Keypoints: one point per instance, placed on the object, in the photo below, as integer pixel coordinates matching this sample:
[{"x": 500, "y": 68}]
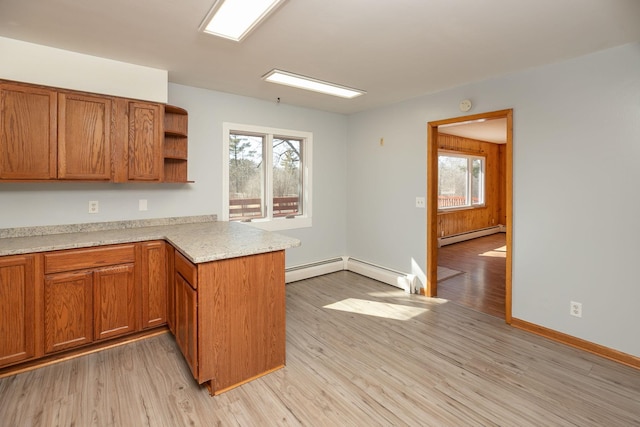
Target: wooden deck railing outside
[
  {"x": 453, "y": 201},
  {"x": 251, "y": 208}
]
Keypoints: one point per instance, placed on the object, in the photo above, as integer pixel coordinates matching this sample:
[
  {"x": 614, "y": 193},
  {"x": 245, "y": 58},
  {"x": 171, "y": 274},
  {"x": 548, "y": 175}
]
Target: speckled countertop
[{"x": 201, "y": 239}]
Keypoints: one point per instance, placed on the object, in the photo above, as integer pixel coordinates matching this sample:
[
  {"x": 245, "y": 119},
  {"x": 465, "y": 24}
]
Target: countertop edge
[
  {"x": 45, "y": 230},
  {"x": 200, "y": 242}
]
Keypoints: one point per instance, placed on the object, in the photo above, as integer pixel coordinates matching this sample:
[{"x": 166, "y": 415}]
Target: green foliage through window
[
  {"x": 460, "y": 181},
  {"x": 250, "y": 157}
]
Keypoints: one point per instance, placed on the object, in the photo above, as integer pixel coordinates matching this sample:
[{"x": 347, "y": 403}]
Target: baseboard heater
[
  {"x": 407, "y": 282},
  {"x": 443, "y": 241},
  {"x": 306, "y": 271}
]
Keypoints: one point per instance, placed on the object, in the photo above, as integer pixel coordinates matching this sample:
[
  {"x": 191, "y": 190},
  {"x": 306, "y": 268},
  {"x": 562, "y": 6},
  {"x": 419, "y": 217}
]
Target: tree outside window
[
  {"x": 267, "y": 175},
  {"x": 460, "y": 181}
]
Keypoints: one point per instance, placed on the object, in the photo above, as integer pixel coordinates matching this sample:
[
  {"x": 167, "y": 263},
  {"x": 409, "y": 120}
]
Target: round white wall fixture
[{"x": 465, "y": 105}]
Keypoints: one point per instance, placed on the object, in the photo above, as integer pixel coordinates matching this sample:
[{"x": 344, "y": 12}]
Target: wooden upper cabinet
[
  {"x": 27, "y": 132},
  {"x": 58, "y": 134},
  {"x": 145, "y": 141},
  {"x": 84, "y": 137}
]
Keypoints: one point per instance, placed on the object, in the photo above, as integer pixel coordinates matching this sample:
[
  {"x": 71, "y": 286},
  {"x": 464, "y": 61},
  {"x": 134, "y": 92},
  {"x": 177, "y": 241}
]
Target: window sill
[{"x": 278, "y": 224}]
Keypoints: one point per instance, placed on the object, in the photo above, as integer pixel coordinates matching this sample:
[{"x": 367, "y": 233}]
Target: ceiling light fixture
[
  {"x": 235, "y": 19},
  {"x": 308, "y": 83}
]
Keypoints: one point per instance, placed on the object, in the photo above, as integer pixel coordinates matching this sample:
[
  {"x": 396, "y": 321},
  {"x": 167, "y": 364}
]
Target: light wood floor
[
  {"x": 482, "y": 286},
  {"x": 411, "y": 361}
]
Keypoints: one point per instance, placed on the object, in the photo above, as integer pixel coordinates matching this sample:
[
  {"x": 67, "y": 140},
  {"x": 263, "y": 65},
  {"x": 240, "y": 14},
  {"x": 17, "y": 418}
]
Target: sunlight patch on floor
[
  {"x": 500, "y": 252},
  {"x": 377, "y": 309}
]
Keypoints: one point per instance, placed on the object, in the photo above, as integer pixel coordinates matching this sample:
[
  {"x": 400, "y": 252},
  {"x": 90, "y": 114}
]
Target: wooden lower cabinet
[
  {"x": 154, "y": 295},
  {"x": 85, "y": 306},
  {"x": 114, "y": 301},
  {"x": 18, "y": 289},
  {"x": 68, "y": 310},
  {"x": 240, "y": 319},
  {"x": 63, "y": 300},
  {"x": 186, "y": 321},
  {"x": 228, "y": 316},
  {"x": 89, "y": 295}
]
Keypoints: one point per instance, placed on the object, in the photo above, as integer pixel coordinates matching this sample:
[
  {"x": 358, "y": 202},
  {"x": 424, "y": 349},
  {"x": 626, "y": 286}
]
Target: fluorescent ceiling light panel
[
  {"x": 302, "y": 82},
  {"x": 234, "y": 19}
]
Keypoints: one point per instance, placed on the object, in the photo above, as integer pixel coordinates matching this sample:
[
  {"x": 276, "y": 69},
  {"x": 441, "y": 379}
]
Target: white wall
[
  {"x": 576, "y": 205},
  {"x": 209, "y": 109},
  {"x": 37, "y": 64}
]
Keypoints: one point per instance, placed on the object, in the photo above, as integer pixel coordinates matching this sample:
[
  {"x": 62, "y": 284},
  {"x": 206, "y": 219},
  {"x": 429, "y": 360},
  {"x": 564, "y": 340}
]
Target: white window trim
[
  {"x": 271, "y": 224},
  {"x": 483, "y": 189}
]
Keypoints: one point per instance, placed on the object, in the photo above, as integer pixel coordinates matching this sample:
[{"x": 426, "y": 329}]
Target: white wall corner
[{"x": 410, "y": 283}]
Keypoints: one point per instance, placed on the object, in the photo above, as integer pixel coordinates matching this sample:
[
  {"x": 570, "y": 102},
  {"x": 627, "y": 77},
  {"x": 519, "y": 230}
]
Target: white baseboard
[{"x": 408, "y": 282}]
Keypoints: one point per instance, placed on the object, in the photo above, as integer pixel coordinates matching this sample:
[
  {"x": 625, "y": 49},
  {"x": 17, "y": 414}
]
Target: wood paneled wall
[{"x": 494, "y": 211}]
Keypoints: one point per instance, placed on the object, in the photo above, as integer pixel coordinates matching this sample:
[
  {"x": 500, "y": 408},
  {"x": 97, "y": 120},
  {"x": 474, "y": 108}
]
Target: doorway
[{"x": 432, "y": 199}]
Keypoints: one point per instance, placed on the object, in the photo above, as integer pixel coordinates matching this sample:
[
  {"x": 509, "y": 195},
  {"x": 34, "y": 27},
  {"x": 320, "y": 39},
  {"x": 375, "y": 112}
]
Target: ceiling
[
  {"x": 494, "y": 130},
  {"x": 394, "y": 50}
]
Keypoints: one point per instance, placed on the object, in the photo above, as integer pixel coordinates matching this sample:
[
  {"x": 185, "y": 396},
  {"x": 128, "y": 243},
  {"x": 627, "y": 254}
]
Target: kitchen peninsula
[{"x": 218, "y": 286}]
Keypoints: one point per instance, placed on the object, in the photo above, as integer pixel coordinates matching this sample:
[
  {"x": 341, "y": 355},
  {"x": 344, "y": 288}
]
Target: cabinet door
[
  {"x": 114, "y": 301},
  {"x": 154, "y": 284},
  {"x": 17, "y": 309},
  {"x": 186, "y": 322},
  {"x": 84, "y": 137},
  {"x": 145, "y": 142},
  {"x": 68, "y": 310},
  {"x": 27, "y": 132}
]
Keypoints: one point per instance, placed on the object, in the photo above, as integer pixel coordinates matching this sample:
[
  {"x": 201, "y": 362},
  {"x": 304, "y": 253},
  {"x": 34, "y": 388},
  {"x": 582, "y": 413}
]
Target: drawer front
[
  {"x": 187, "y": 269},
  {"x": 80, "y": 259}
]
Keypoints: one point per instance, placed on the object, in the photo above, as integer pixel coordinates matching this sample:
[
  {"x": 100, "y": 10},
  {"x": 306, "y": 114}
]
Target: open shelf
[{"x": 175, "y": 151}]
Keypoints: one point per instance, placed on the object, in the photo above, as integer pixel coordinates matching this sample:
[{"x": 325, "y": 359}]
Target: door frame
[{"x": 432, "y": 201}]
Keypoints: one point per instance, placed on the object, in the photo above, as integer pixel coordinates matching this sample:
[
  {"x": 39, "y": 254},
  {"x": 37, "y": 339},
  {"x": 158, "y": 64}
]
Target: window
[
  {"x": 460, "y": 181},
  {"x": 268, "y": 174}
]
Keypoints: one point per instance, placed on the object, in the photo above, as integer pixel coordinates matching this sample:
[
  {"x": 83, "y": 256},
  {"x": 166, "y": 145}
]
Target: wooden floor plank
[
  {"x": 482, "y": 284},
  {"x": 351, "y": 360}
]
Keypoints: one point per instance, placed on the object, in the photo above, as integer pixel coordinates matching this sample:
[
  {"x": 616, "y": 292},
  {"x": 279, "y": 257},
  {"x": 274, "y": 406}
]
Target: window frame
[
  {"x": 271, "y": 223},
  {"x": 483, "y": 184}
]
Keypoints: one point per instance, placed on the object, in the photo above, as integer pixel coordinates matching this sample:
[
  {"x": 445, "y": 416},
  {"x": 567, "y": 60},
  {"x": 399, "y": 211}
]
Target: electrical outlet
[
  {"x": 420, "y": 202},
  {"x": 575, "y": 309},
  {"x": 94, "y": 207}
]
